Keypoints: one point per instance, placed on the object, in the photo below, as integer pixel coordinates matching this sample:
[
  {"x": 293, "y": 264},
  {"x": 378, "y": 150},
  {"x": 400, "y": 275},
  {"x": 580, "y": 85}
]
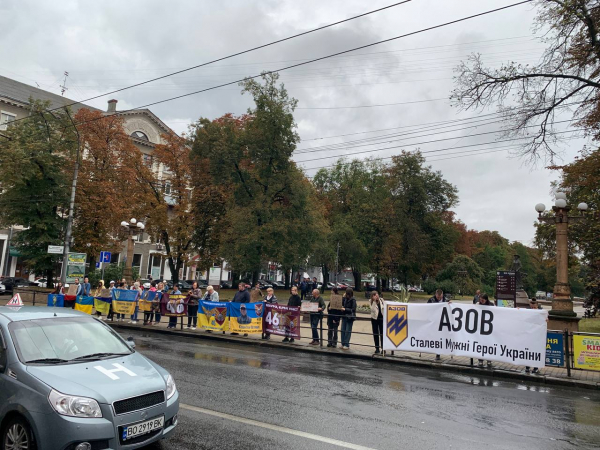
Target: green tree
[
  {"x": 464, "y": 273},
  {"x": 36, "y": 159},
  {"x": 269, "y": 215}
]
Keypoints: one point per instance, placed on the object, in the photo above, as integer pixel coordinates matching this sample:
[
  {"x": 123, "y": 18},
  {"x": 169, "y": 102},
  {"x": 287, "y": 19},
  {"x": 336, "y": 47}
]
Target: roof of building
[{"x": 20, "y": 93}]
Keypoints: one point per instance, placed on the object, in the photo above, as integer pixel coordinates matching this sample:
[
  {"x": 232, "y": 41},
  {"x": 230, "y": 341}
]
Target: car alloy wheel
[{"x": 17, "y": 437}]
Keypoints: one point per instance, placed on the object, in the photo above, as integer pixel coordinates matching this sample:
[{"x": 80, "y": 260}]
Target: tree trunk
[
  {"x": 93, "y": 263},
  {"x": 288, "y": 278},
  {"x": 325, "y": 271},
  {"x": 255, "y": 276},
  {"x": 378, "y": 284},
  {"x": 234, "y": 279},
  {"x": 357, "y": 284},
  {"x": 50, "y": 278}
]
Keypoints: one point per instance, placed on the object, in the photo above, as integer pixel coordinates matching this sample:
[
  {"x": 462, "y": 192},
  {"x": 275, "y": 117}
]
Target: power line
[
  {"x": 238, "y": 53},
  {"x": 375, "y": 106},
  {"x": 452, "y": 22}
]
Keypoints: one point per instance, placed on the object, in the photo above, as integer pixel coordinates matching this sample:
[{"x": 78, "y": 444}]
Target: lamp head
[
  {"x": 560, "y": 196},
  {"x": 124, "y": 224},
  {"x": 540, "y": 207},
  {"x": 132, "y": 221},
  {"x": 582, "y": 207},
  {"x": 560, "y": 203},
  {"x": 140, "y": 225}
]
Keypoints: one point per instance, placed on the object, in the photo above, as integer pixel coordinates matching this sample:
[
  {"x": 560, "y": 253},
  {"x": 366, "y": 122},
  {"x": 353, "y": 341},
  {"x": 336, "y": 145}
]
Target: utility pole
[
  {"x": 7, "y": 253},
  {"x": 63, "y": 87},
  {"x": 63, "y": 274}
]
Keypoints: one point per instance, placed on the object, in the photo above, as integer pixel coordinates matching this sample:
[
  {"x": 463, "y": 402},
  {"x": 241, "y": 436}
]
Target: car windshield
[{"x": 63, "y": 339}]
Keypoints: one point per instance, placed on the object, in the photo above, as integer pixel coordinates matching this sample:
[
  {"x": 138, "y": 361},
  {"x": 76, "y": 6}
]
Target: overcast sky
[{"x": 111, "y": 44}]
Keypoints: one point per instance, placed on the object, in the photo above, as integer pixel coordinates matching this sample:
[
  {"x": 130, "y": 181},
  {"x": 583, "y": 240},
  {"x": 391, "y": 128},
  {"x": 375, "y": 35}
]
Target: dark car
[
  {"x": 12, "y": 282},
  {"x": 183, "y": 285},
  {"x": 202, "y": 284},
  {"x": 225, "y": 285},
  {"x": 262, "y": 284},
  {"x": 277, "y": 284},
  {"x": 370, "y": 287}
]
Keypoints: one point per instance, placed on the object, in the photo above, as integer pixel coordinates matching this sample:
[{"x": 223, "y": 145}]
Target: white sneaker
[
  {"x": 134, "y": 321},
  {"x": 187, "y": 328},
  {"x": 193, "y": 328}
]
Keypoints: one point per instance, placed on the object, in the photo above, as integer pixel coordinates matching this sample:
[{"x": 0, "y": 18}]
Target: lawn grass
[{"x": 590, "y": 325}]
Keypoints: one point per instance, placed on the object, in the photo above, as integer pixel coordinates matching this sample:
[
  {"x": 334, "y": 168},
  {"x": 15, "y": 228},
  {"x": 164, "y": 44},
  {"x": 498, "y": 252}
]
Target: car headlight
[
  {"x": 171, "y": 388},
  {"x": 71, "y": 405}
]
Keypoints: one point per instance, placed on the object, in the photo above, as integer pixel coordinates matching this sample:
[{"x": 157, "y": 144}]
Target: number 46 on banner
[{"x": 272, "y": 320}]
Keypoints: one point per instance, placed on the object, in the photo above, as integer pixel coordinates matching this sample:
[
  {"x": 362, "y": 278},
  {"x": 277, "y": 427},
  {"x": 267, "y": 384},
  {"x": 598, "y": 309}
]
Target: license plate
[{"x": 148, "y": 426}]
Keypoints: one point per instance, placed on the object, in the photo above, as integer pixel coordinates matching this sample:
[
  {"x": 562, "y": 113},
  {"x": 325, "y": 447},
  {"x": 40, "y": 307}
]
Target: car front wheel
[{"x": 17, "y": 435}]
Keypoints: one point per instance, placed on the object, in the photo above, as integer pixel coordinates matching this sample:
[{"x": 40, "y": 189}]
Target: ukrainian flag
[{"x": 84, "y": 304}]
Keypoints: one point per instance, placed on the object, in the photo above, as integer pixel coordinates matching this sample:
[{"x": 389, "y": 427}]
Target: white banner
[{"x": 516, "y": 336}]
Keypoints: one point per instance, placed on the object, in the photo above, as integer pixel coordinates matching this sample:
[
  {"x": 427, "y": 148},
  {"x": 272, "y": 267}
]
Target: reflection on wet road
[{"x": 360, "y": 403}]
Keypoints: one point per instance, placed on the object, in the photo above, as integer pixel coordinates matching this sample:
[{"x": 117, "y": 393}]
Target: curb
[{"x": 548, "y": 380}]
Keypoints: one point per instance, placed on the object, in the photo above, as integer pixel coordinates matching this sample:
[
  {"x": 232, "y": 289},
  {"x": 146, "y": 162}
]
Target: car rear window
[{"x": 64, "y": 338}]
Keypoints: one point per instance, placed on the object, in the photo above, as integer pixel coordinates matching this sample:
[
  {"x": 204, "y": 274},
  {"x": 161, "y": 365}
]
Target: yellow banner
[
  {"x": 127, "y": 308},
  {"x": 101, "y": 307},
  {"x": 84, "y": 308},
  {"x": 587, "y": 352},
  {"x": 253, "y": 325},
  {"x": 213, "y": 318},
  {"x": 145, "y": 305}
]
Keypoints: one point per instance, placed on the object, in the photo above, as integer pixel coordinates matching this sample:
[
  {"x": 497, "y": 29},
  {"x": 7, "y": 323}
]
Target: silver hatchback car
[{"x": 69, "y": 382}]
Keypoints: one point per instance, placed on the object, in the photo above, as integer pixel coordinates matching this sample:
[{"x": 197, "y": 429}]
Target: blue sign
[
  {"x": 555, "y": 350},
  {"x": 105, "y": 257},
  {"x": 97, "y": 265}
]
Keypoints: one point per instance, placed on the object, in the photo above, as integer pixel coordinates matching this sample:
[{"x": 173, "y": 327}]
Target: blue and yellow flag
[
  {"x": 84, "y": 304},
  {"x": 213, "y": 316},
  {"x": 148, "y": 300},
  {"x": 245, "y": 317},
  {"x": 124, "y": 301},
  {"x": 56, "y": 300},
  {"x": 102, "y": 305}
]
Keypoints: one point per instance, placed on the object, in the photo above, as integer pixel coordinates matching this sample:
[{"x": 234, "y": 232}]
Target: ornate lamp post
[
  {"x": 133, "y": 227},
  {"x": 561, "y": 315}
]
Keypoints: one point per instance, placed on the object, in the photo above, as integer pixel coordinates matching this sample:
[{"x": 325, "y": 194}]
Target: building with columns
[{"x": 145, "y": 129}]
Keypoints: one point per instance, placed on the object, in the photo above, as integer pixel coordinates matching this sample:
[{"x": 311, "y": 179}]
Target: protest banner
[
  {"x": 335, "y": 301},
  {"x": 147, "y": 300},
  {"x": 174, "y": 305},
  {"x": 516, "y": 336},
  {"x": 555, "y": 349},
  {"x": 123, "y": 301},
  {"x": 245, "y": 317},
  {"x": 213, "y": 316},
  {"x": 282, "y": 320},
  {"x": 75, "y": 266},
  {"x": 57, "y": 300},
  {"x": 309, "y": 307},
  {"x": 84, "y": 304},
  {"x": 586, "y": 351},
  {"x": 72, "y": 291}
]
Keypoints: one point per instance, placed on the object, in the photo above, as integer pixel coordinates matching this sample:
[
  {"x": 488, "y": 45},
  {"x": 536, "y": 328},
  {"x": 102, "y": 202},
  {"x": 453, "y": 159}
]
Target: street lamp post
[
  {"x": 561, "y": 315},
  {"x": 133, "y": 227}
]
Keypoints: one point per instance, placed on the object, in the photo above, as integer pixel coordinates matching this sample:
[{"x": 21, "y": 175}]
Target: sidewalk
[{"x": 362, "y": 347}]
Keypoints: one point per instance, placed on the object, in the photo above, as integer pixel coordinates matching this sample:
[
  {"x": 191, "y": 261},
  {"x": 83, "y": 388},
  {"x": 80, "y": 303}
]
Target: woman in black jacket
[
  {"x": 349, "y": 314},
  {"x": 294, "y": 300}
]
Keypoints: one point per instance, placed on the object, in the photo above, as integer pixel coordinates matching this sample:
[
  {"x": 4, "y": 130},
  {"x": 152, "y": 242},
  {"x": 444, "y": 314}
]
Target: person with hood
[
  {"x": 98, "y": 293},
  {"x": 348, "y": 317},
  {"x": 334, "y": 317},
  {"x": 294, "y": 300}
]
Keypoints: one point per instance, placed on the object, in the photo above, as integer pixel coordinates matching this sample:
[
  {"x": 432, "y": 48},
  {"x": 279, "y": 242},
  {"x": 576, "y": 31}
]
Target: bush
[
  {"x": 429, "y": 286},
  {"x": 111, "y": 272}
]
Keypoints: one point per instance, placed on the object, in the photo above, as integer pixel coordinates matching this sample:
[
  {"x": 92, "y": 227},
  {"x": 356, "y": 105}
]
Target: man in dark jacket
[
  {"x": 334, "y": 317},
  {"x": 316, "y": 316},
  {"x": 438, "y": 297},
  {"x": 349, "y": 314},
  {"x": 242, "y": 295}
]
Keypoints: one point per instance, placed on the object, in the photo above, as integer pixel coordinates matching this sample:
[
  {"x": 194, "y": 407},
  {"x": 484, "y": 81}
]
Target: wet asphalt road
[{"x": 360, "y": 403}]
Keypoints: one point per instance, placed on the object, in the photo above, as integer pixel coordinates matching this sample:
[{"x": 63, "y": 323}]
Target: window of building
[
  {"x": 168, "y": 187},
  {"x": 148, "y": 160},
  {"x": 5, "y": 118},
  {"x": 140, "y": 135},
  {"x": 137, "y": 260},
  {"x": 114, "y": 258}
]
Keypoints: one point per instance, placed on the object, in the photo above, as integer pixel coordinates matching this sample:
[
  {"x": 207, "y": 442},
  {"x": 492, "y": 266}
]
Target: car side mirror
[{"x": 131, "y": 342}]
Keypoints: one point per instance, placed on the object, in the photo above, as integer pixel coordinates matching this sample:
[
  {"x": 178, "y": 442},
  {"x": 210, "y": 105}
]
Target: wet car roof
[{"x": 18, "y": 313}]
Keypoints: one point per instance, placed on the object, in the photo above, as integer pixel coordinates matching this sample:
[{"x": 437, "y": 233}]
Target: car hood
[{"x": 106, "y": 380}]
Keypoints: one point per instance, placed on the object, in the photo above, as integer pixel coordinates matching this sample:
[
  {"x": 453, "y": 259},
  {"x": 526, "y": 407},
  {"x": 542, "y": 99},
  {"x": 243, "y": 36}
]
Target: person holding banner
[
  {"x": 211, "y": 295},
  {"x": 294, "y": 300},
  {"x": 98, "y": 293},
  {"x": 87, "y": 287},
  {"x": 59, "y": 290},
  {"x": 438, "y": 297},
  {"x": 136, "y": 287},
  {"x": 195, "y": 296},
  {"x": 334, "y": 317},
  {"x": 377, "y": 320},
  {"x": 348, "y": 316},
  {"x": 271, "y": 299},
  {"x": 315, "y": 318},
  {"x": 173, "y": 319},
  {"x": 111, "y": 313},
  {"x": 160, "y": 289},
  {"x": 485, "y": 301}
]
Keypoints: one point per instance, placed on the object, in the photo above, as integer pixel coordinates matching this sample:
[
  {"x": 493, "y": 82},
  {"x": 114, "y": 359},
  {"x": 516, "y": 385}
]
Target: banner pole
[{"x": 567, "y": 354}]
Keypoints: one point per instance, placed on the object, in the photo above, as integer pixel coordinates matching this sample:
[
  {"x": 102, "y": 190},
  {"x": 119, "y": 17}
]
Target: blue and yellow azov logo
[{"x": 397, "y": 324}]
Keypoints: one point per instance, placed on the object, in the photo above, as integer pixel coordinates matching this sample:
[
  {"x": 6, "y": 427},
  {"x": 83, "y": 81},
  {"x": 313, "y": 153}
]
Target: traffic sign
[
  {"x": 56, "y": 249},
  {"x": 97, "y": 265},
  {"x": 105, "y": 257}
]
